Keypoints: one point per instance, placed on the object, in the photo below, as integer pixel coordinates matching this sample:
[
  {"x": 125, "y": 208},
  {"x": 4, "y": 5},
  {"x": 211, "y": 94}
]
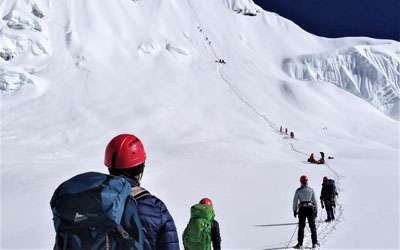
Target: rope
[
  {"x": 214, "y": 53},
  {"x": 260, "y": 115},
  {"x": 291, "y": 238},
  {"x": 246, "y": 102},
  {"x": 296, "y": 150},
  {"x": 273, "y": 126}
]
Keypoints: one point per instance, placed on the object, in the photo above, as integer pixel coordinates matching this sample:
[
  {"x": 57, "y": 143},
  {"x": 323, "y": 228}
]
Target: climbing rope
[
  {"x": 291, "y": 238},
  {"x": 263, "y": 117}
]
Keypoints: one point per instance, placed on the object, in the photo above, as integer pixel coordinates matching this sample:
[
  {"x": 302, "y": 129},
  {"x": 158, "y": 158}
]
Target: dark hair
[{"x": 128, "y": 172}]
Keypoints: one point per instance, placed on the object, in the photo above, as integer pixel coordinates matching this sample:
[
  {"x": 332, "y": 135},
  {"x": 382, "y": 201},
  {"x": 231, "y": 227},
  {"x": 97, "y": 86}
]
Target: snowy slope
[{"x": 148, "y": 67}]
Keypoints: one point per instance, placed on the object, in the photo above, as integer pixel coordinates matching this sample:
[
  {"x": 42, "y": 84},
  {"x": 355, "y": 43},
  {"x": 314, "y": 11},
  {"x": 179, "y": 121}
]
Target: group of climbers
[
  {"x": 305, "y": 207},
  {"x": 99, "y": 211},
  {"x": 321, "y": 160},
  {"x": 291, "y": 134}
]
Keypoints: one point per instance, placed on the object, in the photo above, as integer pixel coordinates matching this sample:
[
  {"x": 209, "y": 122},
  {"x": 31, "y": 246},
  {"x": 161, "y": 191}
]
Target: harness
[
  {"x": 138, "y": 192},
  {"x": 306, "y": 204}
]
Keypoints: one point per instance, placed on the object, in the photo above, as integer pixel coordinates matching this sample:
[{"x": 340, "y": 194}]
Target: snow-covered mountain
[
  {"x": 75, "y": 73},
  {"x": 368, "y": 71},
  {"x": 245, "y": 7}
]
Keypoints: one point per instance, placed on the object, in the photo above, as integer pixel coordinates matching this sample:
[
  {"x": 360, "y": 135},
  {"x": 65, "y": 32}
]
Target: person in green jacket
[{"x": 202, "y": 229}]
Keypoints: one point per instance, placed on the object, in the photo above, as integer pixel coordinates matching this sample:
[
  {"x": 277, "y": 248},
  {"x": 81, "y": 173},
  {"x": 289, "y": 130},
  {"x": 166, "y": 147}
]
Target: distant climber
[
  {"x": 311, "y": 159},
  {"x": 328, "y": 197},
  {"x": 286, "y": 130},
  {"x": 305, "y": 205},
  {"x": 202, "y": 229},
  {"x": 292, "y": 135},
  {"x": 222, "y": 61},
  {"x": 281, "y": 130},
  {"x": 322, "y": 159}
]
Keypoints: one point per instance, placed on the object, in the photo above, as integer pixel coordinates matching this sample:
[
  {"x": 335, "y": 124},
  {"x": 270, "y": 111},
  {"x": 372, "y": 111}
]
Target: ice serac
[
  {"x": 245, "y": 7},
  {"x": 24, "y": 42},
  {"x": 371, "y": 72}
]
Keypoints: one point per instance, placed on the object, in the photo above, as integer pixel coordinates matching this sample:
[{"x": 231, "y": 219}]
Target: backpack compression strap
[{"x": 139, "y": 192}]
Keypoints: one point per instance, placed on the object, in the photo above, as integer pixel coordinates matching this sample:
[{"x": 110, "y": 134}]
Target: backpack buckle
[{"x": 123, "y": 233}]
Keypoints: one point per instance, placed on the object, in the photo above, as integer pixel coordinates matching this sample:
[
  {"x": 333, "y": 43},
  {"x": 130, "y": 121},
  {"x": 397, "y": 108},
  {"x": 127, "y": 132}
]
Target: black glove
[
  {"x": 322, "y": 205},
  {"x": 294, "y": 214},
  {"x": 315, "y": 214}
]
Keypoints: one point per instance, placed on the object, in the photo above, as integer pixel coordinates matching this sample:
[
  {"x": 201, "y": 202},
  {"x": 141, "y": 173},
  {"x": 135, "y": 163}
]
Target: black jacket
[
  {"x": 328, "y": 193},
  {"x": 215, "y": 235}
]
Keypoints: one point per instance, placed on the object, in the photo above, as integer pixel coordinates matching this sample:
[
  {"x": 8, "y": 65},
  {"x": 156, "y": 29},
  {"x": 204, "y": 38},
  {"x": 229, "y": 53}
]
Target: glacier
[{"x": 371, "y": 72}]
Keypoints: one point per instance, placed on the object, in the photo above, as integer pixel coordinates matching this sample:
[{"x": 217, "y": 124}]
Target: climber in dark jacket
[
  {"x": 328, "y": 198},
  {"x": 322, "y": 159},
  {"x": 125, "y": 156},
  {"x": 311, "y": 159}
]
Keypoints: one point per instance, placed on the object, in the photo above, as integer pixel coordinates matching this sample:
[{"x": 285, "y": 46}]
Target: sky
[{"x": 372, "y": 18}]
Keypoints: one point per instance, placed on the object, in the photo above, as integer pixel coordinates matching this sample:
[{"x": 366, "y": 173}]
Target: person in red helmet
[
  {"x": 305, "y": 205},
  {"x": 125, "y": 156},
  {"x": 206, "y": 201},
  {"x": 215, "y": 233},
  {"x": 202, "y": 230}
]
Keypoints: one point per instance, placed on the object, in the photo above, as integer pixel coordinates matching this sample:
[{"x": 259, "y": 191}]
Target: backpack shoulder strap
[{"x": 139, "y": 192}]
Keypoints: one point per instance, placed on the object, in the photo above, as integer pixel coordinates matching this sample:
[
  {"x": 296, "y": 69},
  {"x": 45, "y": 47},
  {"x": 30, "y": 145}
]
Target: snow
[
  {"x": 24, "y": 36},
  {"x": 245, "y": 7},
  {"x": 370, "y": 72},
  {"x": 148, "y": 67}
]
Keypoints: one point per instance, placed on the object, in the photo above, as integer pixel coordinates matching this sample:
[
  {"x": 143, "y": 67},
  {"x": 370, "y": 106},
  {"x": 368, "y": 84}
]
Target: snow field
[{"x": 210, "y": 129}]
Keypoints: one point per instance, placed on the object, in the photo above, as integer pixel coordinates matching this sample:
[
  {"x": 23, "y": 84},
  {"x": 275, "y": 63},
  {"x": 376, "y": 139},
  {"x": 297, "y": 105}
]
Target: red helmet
[
  {"x": 304, "y": 179},
  {"x": 124, "y": 151},
  {"x": 206, "y": 201},
  {"x": 325, "y": 178}
]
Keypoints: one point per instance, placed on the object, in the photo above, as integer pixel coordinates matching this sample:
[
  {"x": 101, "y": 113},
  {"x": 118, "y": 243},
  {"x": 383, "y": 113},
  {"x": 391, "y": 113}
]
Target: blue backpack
[{"x": 89, "y": 213}]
